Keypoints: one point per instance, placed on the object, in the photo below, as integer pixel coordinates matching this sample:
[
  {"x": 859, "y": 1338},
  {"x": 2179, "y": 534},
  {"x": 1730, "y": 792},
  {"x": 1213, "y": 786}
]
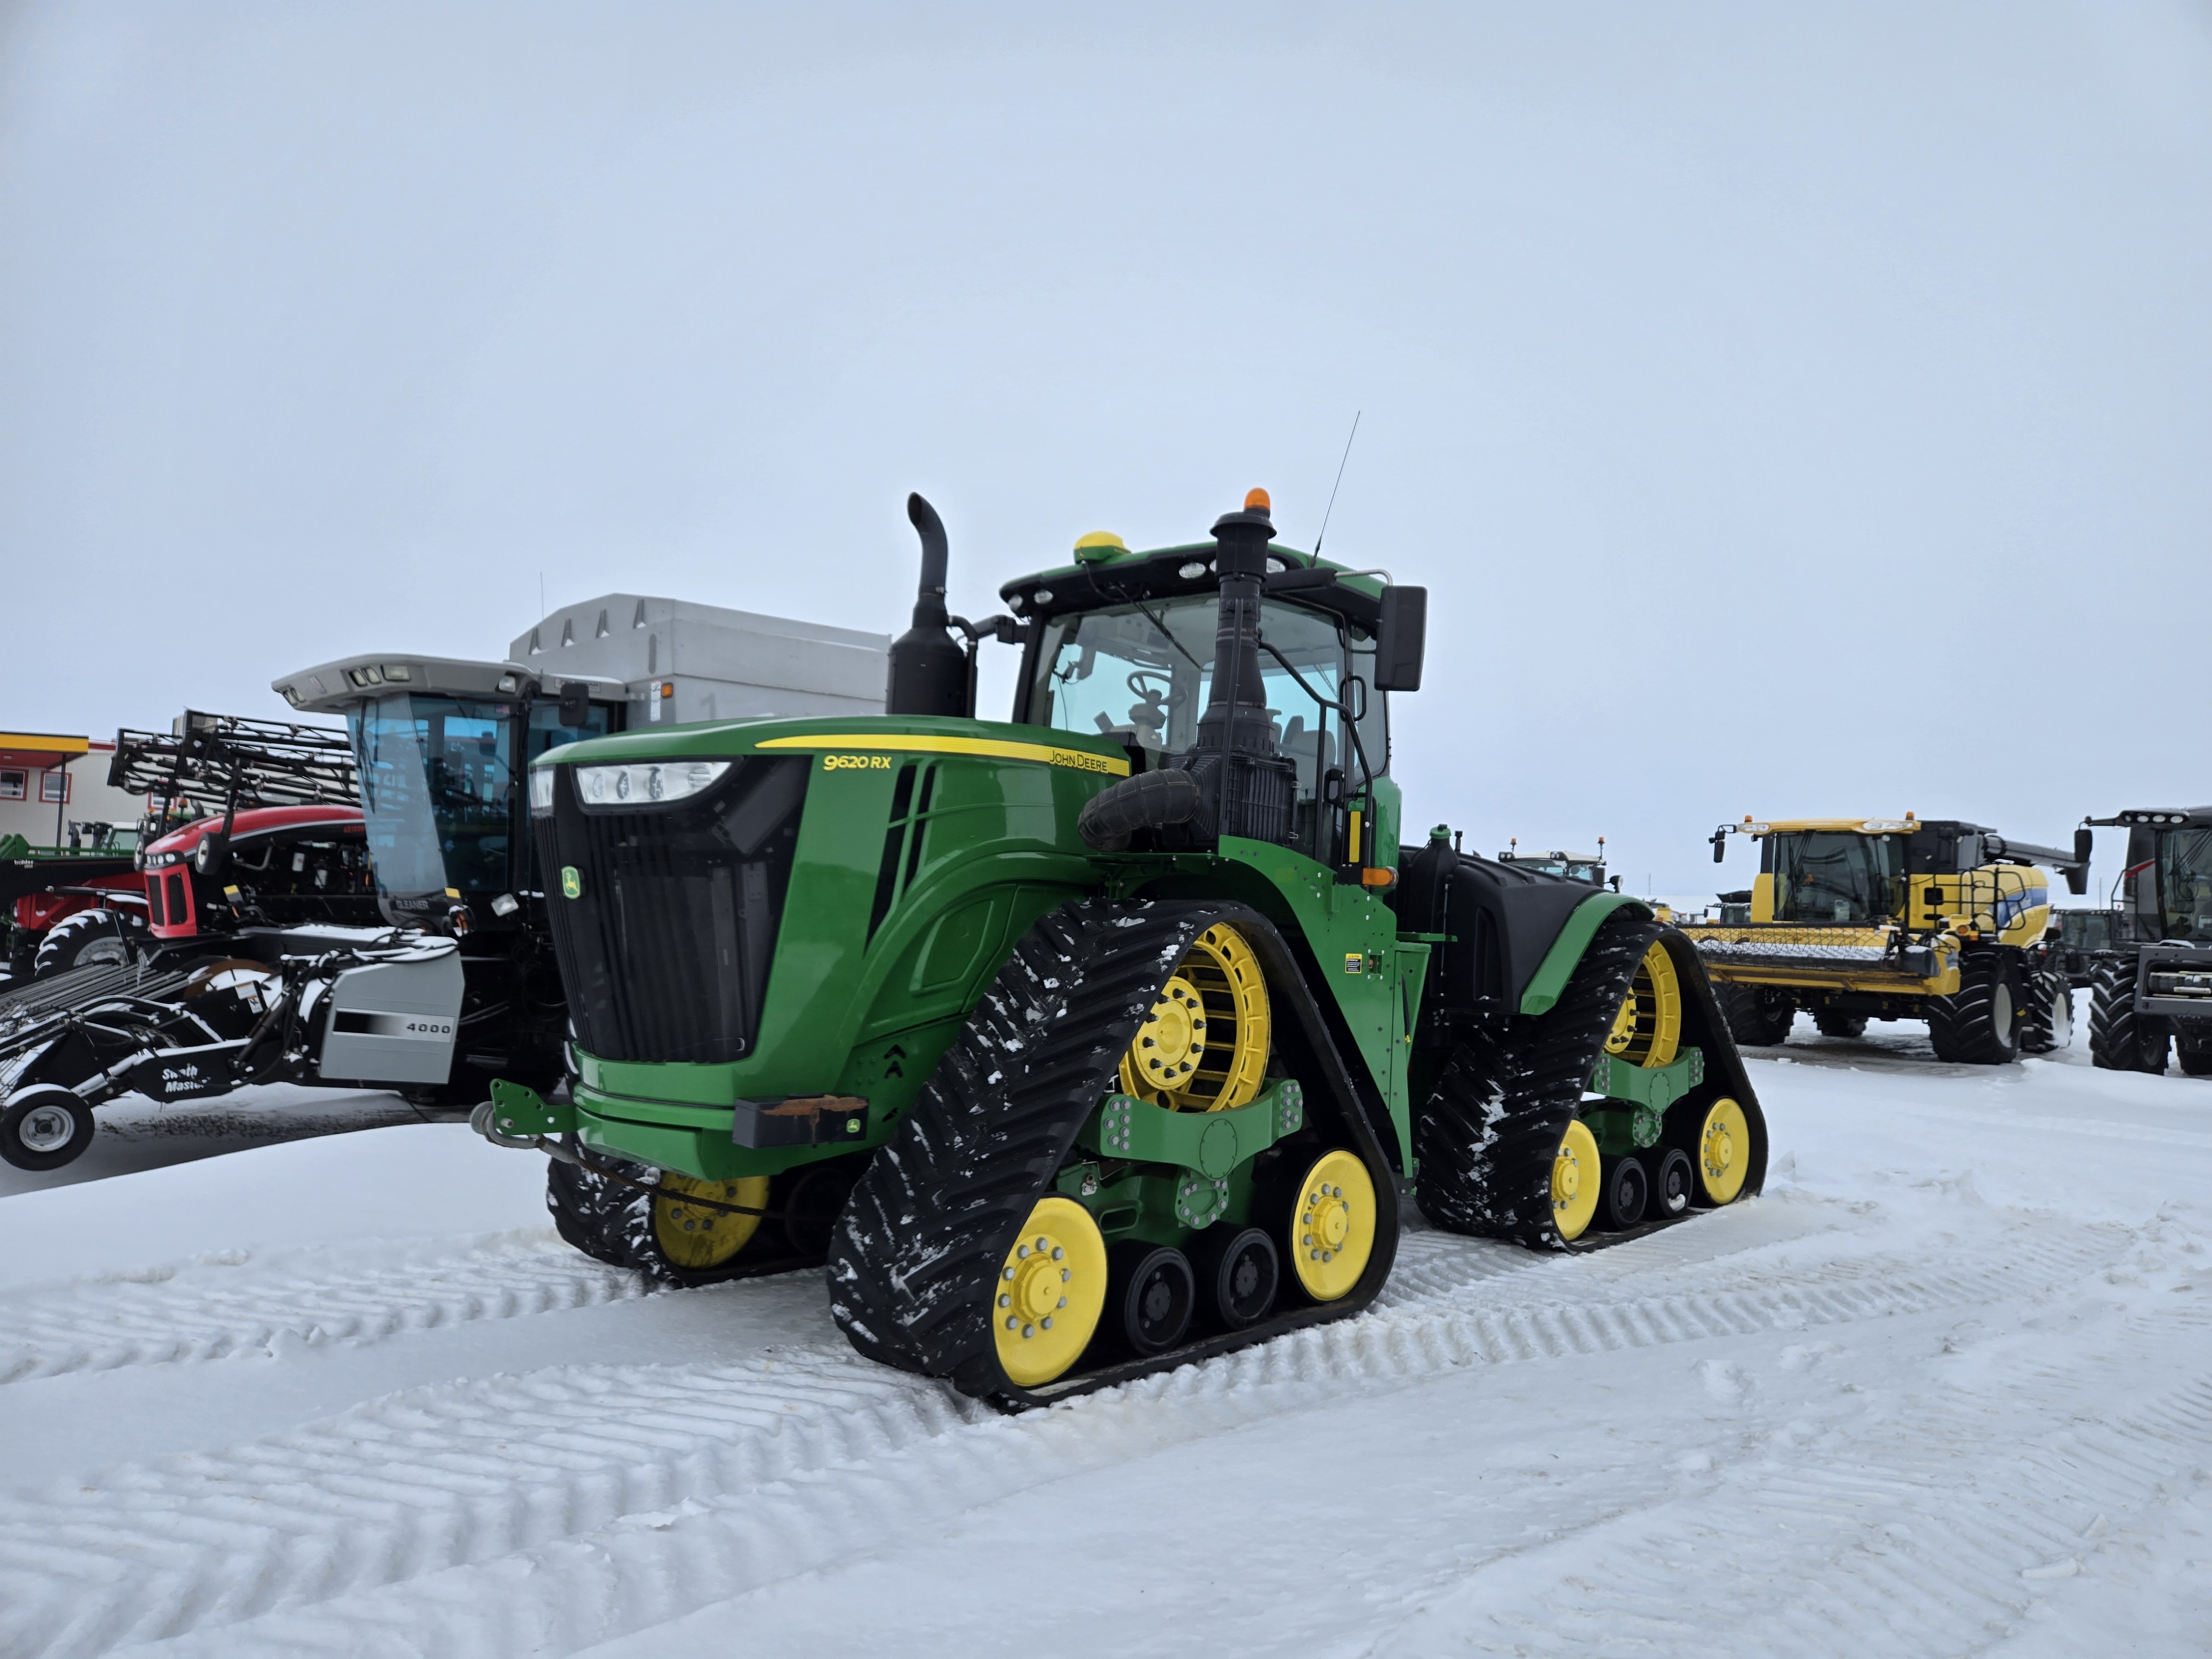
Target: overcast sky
[{"x": 1791, "y": 409}]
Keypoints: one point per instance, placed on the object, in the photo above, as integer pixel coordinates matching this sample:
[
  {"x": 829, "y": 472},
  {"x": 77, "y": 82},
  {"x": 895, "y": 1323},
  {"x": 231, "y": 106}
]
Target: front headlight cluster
[{"x": 647, "y": 784}]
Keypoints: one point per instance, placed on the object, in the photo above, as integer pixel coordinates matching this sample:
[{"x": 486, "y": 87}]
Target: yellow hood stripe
[{"x": 1078, "y": 759}]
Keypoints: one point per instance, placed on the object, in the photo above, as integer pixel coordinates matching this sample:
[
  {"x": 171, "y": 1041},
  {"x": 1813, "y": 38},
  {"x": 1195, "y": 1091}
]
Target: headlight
[
  {"x": 541, "y": 790},
  {"x": 644, "y": 785}
]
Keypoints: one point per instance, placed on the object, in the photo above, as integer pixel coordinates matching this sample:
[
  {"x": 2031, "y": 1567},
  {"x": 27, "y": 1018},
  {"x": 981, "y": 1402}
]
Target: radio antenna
[{"x": 1333, "y": 488}]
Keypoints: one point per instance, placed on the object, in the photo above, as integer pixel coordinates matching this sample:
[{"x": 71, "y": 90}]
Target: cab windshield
[
  {"x": 1140, "y": 673},
  {"x": 437, "y": 787},
  {"x": 2184, "y": 883},
  {"x": 1831, "y": 875}
]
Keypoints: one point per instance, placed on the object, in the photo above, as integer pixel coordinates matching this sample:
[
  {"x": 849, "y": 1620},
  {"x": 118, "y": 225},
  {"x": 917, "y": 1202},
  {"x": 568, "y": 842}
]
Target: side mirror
[
  {"x": 575, "y": 704},
  {"x": 1400, "y": 639},
  {"x": 2077, "y": 878},
  {"x": 1720, "y": 846}
]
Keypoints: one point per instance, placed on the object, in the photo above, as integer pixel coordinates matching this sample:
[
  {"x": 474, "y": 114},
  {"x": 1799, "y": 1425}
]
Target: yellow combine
[{"x": 1860, "y": 919}]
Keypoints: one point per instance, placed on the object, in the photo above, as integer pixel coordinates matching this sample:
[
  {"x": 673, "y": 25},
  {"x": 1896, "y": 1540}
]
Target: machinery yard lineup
[{"x": 1138, "y": 1047}]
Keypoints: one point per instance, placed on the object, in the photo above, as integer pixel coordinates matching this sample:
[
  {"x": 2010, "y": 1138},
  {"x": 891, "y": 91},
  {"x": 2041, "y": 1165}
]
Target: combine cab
[
  {"x": 1113, "y": 1035},
  {"x": 1855, "y": 919}
]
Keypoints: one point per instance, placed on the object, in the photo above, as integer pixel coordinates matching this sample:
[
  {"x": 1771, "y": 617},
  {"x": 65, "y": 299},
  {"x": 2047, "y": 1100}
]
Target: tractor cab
[
  {"x": 1588, "y": 867},
  {"x": 1124, "y": 644},
  {"x": 2165, "y": 890}
]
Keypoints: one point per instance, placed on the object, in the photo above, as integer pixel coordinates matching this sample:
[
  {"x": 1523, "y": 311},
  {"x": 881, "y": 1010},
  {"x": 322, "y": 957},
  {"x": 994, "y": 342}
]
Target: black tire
[
  {"x": 2046, "y": 1022},
  {"x": 105, "y": 938},
  {"x": 1978, "y": 1024},
  {"x": 1828, "y": 1023},
  {"x": 1673, "y": 1181},
  {"x": 586, "y": 1207},
  {"x": 1627, "y": 1191},
  {"x": 1756, "y": 1015},
  {"x": 2122, "y": 1039},
  {"x": 45, "y": 1127},
  {"x": 2194, "y": 1051}
]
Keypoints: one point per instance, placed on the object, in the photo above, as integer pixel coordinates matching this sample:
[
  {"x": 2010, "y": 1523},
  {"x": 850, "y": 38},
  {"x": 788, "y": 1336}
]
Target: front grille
[{"x": 665, "y": 921}]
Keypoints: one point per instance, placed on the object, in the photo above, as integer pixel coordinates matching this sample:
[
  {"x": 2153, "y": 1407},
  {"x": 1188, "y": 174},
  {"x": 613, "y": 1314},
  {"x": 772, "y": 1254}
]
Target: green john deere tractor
[{"x": 1114, "y": 1035}]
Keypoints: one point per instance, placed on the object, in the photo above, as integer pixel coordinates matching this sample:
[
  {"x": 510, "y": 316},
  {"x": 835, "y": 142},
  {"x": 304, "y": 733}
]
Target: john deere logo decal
[{"x": 572, "y": 884}]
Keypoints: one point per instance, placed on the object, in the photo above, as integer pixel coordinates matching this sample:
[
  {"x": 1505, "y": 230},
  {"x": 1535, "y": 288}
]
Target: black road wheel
[
  {"x": 1978, "y": 1024},
  {"x": 103, "y": 938},
  {"x": 1828, "y": 1023},
  {"x": 45, "y": 1127},
  {"x": 1674, "y": 1182},
  {"x": 1758, "y": 1015},
  {"x": 2046, "y": 1021},
  {"x": 1238, "y": 1271},
  {"x": 1627, "y": 1190},
  {"x": 2122, "y": 1038},
  {"x": 2194, "y": 1051},
  {"x": 1153, "y": 1293}
]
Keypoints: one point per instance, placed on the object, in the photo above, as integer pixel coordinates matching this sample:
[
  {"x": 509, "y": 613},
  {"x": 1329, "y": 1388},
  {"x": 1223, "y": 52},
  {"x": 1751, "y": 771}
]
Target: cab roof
[
  {"x": 1861, "y": 826},
  {"x": 1106, "y": 573}
]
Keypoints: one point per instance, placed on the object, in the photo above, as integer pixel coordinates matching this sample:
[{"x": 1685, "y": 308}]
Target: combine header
[{"x": 1115, "y": 1035}]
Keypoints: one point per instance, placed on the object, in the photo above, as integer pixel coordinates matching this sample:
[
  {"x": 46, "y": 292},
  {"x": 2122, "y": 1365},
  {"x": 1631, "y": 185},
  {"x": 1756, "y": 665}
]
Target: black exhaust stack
[
  {"x": 930, "y": 673},
  {"x": 1247, "y": 787}
]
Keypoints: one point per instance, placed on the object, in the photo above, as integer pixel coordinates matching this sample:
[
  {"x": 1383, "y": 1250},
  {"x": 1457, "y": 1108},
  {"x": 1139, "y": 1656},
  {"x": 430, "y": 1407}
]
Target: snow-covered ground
[{"x": 1946, "y": 1389}]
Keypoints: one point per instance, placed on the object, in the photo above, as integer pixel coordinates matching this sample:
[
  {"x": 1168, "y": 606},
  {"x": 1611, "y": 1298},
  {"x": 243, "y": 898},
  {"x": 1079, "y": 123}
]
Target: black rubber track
[
  {"x": 2122, "y": 1039},
  {"x": 1488, "y": 1134},
  {"x": 916, "y": 1253},
  {"x": 1962, "y": 1028},
  {"x": 584, "y": 1204}
]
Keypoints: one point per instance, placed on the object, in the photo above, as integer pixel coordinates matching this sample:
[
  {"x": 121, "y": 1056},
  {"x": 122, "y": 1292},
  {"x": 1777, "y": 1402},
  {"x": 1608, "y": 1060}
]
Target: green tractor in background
[{"x": 1109, "y": 1037}]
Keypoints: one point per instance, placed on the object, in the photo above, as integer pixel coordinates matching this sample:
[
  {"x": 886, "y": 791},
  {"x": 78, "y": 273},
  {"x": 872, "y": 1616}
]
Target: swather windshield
[
  {"x": 437, "y": 787},
  {"x": 1831, "y": 875},
  {"x": 1141, "y": 673},
  {"x": 2184, "y": 883}
]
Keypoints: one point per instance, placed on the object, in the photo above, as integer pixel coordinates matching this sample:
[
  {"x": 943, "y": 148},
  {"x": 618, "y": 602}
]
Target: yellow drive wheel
[
  {"x": 1203, "y": 1045},
  {"x": 1648, "y": 1029},
  {"x": 695, "y": 1238},
  {"x": 1575, "y": 1183},
  {"x": 1051, "y": 1289},
  {"x": 1722, "y": 1153},
  {"x": 1333, "y": 1232}
]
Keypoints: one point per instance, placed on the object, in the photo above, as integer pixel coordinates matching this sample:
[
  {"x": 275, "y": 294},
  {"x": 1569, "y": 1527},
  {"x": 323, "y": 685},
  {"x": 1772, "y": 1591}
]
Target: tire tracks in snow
[
  {"x": 435, "y": 1519},
  {"x": 215, "y": 1309}
]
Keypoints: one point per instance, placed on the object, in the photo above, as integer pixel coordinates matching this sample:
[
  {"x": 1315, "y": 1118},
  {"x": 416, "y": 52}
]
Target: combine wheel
[
  {"x": 1239, "y": 1272},
  {"x": 1722, "y": 1160},
  {"x": 1676, "y": 1181},
  {"x": 2122, "y": 1038},
  {"x": 1051, "y": 1289},
  {"x": 1830, "y": 1023},
  {"x": 1627, "y": 1191},
  {"x": 45, "y": 1127},
  {"x": 2194, "y": 1051},
  {"x": 1979, "y": 1023},
  {"x": 1576, "y": 1182},
  {"x": 1155, "y": 1293},
  {"x": 2046, "y": 1021},
  {"x": 1756, "y": 1016}
]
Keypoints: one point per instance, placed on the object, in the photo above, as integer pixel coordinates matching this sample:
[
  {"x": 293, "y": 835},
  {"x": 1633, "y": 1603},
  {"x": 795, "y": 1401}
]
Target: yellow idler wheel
[
  {"x": 1722, "y": 1151},
  {"x": 1203, "y": 1045},
  {"x": 1051, "y": 1290},
  {"x": 1647, "y": 1031},
  {"x": 1332, "y": 1233},
  {"x": 695, "y": 1238},
  {"x": 1575, "y": 1183}
]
